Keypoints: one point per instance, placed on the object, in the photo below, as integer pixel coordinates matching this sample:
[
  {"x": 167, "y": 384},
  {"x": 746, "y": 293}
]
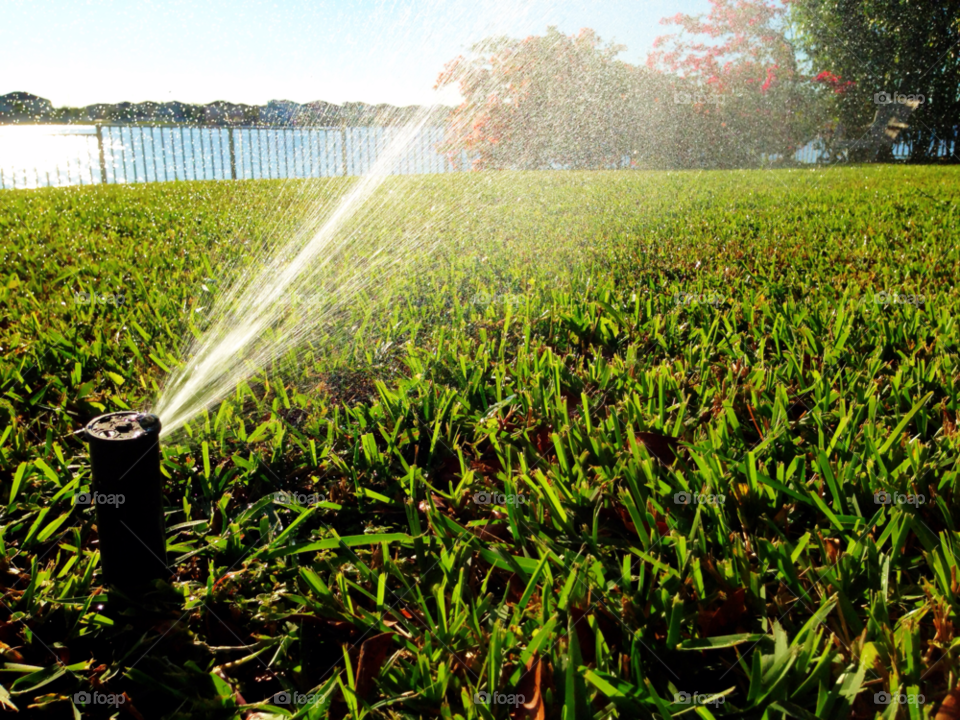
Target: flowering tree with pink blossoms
[
  {"x": 724, "y": 90},
  {"x": 738, "y": 70},
  {"x": 548, "y": 101}
]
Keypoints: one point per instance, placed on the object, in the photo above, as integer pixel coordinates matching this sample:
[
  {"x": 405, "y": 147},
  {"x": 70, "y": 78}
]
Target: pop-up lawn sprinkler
[{"x": 127, "y": 491}]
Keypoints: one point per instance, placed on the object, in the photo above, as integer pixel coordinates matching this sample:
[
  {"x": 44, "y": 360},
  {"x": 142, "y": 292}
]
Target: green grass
[{"x": 540, "y": 352}]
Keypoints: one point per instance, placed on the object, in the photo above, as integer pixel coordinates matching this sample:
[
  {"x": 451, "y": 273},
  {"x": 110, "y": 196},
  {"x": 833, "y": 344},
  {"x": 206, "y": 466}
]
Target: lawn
[{"x": 625, "y": 444}]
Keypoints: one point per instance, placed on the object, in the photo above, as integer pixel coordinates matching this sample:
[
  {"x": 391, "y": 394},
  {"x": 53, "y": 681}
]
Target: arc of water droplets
[{"x": 226, "y": 352}]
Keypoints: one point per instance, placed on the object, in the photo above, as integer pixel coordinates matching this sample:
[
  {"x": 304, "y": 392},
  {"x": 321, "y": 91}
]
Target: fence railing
[
  {"x": 39, "y": 156},
  {"x": 54, "y": 155}
]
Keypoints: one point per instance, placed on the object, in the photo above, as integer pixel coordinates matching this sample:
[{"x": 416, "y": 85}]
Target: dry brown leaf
[
  {"x": 662, "y": 447},
  {"x": 529, "y": 686},
  {"x": 373, "y": 652},
  {"x": 950, "y": 707},
  {"x": 726, "y": 617}
]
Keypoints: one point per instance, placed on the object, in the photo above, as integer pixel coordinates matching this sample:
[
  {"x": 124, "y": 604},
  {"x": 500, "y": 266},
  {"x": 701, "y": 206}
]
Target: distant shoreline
[{"x": 22, "y": 108}]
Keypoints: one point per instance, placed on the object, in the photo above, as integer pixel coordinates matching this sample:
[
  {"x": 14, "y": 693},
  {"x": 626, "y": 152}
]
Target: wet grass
[{"x": 621, "y": 447}]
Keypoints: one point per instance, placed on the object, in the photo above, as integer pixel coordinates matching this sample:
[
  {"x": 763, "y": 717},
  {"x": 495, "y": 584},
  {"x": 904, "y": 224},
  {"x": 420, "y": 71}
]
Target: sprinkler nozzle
[{"x": 128, "y": 495}]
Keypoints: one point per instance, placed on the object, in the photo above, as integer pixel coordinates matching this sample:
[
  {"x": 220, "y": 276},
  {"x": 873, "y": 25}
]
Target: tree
[
  {"x": 546, "y": 101},
  {"x": 738, "y": 69},
  {"x": 889, "y": 47}
]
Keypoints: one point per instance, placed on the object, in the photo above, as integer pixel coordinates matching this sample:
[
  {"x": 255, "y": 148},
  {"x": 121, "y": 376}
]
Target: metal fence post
[
  {"x": 103, "y": 161},
  {"x": 233, "y": 155}
]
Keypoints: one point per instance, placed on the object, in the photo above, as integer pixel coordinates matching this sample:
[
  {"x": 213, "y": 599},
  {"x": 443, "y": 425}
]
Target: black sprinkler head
[
  {"x": 128, "y": 495},
  {"x": 149, "y": 422}
]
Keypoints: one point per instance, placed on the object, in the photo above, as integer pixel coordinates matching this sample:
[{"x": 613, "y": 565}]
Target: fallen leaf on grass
[
  {"x": 662, "y": 447},
  {"x": 529, "y": 687},
  {"x": 492, "y": 532},
  {"x": 725, "y": 618},
  {"x": 950, "y": 707},
  {"x": 373, "y": 652}
]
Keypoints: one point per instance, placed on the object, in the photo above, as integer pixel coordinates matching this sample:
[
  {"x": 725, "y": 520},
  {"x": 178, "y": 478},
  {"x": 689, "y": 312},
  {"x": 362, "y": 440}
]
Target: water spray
[{"x": 128, "y": 494}]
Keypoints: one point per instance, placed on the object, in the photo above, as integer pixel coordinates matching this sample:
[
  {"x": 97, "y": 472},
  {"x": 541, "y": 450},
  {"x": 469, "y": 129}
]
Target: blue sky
[{"x": 77, "y": 52}]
